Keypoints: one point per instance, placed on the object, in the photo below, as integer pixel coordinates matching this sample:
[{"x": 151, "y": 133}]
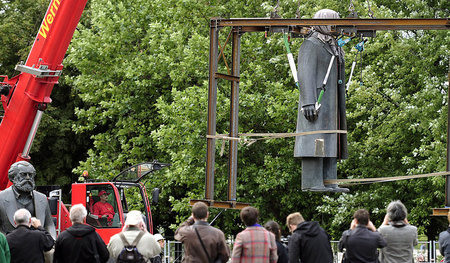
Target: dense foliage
[{"x": 137, "y": 75}]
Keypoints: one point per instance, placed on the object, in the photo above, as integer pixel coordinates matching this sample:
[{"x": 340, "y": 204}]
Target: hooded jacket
[
  {"x": 80, "y": 243},
  {"x": 310, "y": 243}
]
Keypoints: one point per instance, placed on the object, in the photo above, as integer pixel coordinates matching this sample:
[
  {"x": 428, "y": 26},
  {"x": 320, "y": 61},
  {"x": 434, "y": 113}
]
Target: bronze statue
[
  {"x": 22, "y": 195},
  {"x": 321, "y": 68}
]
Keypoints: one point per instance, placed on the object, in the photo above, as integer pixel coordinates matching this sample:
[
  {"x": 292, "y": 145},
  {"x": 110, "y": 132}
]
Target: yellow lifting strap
[{"x": 265, "y": 136}]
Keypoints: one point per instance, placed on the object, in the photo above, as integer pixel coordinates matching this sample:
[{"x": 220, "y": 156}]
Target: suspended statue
[{"x": 321, "y": 75}]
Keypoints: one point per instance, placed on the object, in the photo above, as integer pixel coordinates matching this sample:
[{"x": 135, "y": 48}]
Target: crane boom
[{"x": 30, "y": 91}]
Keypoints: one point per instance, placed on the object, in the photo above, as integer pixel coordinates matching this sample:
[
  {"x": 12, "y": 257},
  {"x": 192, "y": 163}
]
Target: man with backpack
[{"x": 134, "y": 243}]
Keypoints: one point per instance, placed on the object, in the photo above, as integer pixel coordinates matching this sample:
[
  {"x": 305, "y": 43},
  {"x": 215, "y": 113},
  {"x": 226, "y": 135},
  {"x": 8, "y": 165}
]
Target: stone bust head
[{"x": 22, "y": 174}]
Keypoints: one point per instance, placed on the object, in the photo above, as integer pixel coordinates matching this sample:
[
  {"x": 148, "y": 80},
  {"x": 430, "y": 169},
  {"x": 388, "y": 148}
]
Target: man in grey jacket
[
  {"x": 321, "y": 68},
  {"x": 400, "y": 236}
]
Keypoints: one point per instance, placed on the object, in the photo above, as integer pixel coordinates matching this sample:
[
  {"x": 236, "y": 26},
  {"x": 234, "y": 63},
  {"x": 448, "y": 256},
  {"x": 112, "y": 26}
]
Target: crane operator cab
[
  {"x": 102, "y": 207},
  {"x": 108, "y": 203}
]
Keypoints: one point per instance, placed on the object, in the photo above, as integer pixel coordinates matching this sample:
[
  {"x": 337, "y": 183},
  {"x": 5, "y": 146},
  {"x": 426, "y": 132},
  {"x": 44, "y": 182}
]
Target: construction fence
[{"x": 425, "y": 251}]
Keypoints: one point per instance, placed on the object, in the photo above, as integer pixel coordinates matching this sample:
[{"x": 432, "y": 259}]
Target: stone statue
[
  {"x": 321, "y": 67},
  {"x": 22, "y": 195}
]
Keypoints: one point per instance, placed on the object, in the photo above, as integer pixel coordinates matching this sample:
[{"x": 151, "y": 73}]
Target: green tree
[
  {"x": 141, "y": 73},
  {"x": 20, "y": 21}
]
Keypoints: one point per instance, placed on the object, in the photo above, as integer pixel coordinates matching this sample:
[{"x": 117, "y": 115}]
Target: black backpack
[{"x": 129, "y": 252}]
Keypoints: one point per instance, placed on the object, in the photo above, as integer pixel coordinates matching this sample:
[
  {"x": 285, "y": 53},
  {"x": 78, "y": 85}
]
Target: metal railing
[{"x": 424, "y": 252}]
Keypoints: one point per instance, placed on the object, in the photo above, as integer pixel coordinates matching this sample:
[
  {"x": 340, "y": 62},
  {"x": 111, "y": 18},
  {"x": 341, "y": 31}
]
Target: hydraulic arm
[{"x": 25, "y": 97}]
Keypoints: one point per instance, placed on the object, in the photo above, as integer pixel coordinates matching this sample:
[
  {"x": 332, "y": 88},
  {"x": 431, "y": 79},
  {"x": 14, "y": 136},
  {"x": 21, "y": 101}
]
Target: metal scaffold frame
[{"x": 298, "y": 27}]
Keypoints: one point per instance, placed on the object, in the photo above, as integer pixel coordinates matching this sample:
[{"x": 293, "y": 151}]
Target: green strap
[
  {"x": 286, "y": 43},
  {"x": 290, "y": 59},
  {"x": 319, "y": 100}
]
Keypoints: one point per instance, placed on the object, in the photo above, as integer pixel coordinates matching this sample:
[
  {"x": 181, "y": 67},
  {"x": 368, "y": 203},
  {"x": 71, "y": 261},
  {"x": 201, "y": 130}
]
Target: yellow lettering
[
  {"x": 55, "y": 6},
  {"x": 44, "y": 29},
  {"x": 51, "y": 9},
  {"x": 50, "y": 19}
]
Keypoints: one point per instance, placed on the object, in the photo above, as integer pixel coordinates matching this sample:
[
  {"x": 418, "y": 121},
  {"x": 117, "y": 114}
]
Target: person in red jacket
[{"x": 102, "y": 208}]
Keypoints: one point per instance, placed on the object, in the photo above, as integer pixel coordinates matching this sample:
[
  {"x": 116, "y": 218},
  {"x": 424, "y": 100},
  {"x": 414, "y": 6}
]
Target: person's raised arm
[
  {"x": 180, "y": 232},
  {"x": 371, "y": 226}
]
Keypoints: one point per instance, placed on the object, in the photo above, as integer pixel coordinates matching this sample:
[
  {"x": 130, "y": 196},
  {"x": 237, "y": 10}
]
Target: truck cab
[{"x": 125, "y": 193}]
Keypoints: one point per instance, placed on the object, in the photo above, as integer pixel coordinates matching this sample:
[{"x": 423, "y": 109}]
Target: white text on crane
[{"x": 48, "y": 20}]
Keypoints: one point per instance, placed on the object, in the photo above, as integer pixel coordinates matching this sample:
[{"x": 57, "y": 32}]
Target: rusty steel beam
[
  {"x": 447, "y": 178},
  {"x": 212, "y": 106},
  {"x": 440, "y": 211},
  {"x": 220, "y": 204},
  {"x": 261, "y": 24},
  {"x": 222, "y": 54},
  {"x": 227, "y": 77},
  {"x": 234, "y": 117}
]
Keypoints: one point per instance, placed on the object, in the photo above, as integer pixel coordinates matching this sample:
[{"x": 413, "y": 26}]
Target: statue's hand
[{"x": 309, "y": 111}]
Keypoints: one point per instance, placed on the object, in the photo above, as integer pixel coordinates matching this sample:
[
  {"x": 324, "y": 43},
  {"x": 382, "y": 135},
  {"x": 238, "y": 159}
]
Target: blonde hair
[{"x": 294, "y": 219}]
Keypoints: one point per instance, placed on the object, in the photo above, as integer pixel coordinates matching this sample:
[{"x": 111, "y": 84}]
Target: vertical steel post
[
  {"x": 447, "y": 178},
  {"x": 212, "y": 104},
  {"x": 234, "y": 114}
]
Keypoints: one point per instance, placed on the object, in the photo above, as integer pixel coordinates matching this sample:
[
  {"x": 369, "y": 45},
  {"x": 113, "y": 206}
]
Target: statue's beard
[{"x": 25, "y": 186}]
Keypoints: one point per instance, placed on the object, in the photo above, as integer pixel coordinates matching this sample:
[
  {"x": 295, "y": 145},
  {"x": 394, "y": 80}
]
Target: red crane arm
[{"x": 31, "y": 89}]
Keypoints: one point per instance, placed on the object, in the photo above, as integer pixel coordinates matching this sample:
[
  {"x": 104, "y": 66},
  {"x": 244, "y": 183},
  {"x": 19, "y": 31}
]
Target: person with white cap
[
  {"x": 158, "y": 258},
  {"x": 147, "y": 246}
]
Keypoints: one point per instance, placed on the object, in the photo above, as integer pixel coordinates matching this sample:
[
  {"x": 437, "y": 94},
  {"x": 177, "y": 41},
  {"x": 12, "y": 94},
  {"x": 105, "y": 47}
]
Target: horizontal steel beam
[
  {"x": 261, "y": 24},
  {"x": 221, "y": 204},
  {"x": 440, "y": 211},
  {"x": 227, "y": 77}
]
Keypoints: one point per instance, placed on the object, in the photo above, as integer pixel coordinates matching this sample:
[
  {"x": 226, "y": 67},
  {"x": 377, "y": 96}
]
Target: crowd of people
[{"x": 392, "y": 242}]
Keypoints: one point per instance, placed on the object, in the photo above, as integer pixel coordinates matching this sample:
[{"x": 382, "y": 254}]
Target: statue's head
[
  {"x": 325, "y": 14},
  {"x": 22, "y": 174}
]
